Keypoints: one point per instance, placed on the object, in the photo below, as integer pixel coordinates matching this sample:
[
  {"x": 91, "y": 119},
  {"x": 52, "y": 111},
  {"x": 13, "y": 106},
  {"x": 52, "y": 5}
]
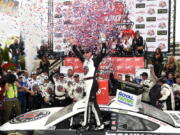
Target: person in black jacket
[
  {"x": 91, "y": 64},
  {"x": 137, "y": 44},
  {"x": 157, "y": 61}
]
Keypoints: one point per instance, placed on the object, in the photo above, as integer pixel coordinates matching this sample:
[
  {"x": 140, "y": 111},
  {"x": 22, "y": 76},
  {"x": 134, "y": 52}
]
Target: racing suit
[
  {"x": 60, "y": 93},
  {"x": 147, "y": 85},
  {"x": 91, "y": 84},
  {"x": 77, "y": 91},
  {"x": 167, "y": 97}
]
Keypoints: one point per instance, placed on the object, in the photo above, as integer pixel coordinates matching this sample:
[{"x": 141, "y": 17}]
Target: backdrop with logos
[
  {"x": 116, "y": 65},
  {"x": 86, "y": 21}
]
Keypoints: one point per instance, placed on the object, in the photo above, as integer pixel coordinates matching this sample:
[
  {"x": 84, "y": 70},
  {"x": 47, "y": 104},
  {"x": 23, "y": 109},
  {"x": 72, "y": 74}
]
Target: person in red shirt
[{"x": 128, "y": 30}]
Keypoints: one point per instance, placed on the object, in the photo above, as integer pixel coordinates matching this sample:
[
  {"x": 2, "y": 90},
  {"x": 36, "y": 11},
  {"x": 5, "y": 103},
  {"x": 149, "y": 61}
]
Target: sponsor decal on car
[{"x": 30, "y": 116}]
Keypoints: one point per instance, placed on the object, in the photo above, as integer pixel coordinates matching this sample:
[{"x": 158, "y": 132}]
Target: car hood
[
  {"x": 175, "y": 115},
  {"x": 31, "y": 120}
]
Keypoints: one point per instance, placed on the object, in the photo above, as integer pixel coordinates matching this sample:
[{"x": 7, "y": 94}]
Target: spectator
[
  {"x": 170, "y": 79},
  {"x": 127, "y": 44},
  {"x": 155, "y": 94},
  {"x": 176, "y": 90},
  {"x": 128, "y": 30},
  {"x": 157, "y": 62},
  {"x": 128, "y": 78},
  {"x": 119, "y": 77},
  {"x": 170, "y": 66},
  {"x": 2, "y": 89},
  {"x": 33, "y": 84},
  {"x": 37, "y": 99},
  {"x": 167, "y": 96},
  {"x": 22, "y": 94},
  {"x": 147, "y": 85},
  {"x": 115, "y": 84},
  {"x": 137, "y": 44},
  {"x": 41, "y": 52},
  {"x": 44, "y": 64},
  {"x": 119, "y": 47},
  {"x": 11, "y": 97},
  {"x": 15, "y": 51}
]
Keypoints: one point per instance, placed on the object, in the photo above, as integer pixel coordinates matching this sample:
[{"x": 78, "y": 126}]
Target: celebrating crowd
[{"x": 21, "y": 92}]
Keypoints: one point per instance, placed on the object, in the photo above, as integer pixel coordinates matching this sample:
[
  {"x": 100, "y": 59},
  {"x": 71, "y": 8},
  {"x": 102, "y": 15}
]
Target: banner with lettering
[{"x": 116, "y": 65}]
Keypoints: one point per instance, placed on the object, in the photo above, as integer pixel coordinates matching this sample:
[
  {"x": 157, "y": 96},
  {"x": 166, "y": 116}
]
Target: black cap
[
  {"x": 33, "y": 73},
  {"x": 76, "y": 75},
  {"x": 144, "y": 74},
  {"x": 61, "y": 75},
  {"x": 127, "y": 75}
]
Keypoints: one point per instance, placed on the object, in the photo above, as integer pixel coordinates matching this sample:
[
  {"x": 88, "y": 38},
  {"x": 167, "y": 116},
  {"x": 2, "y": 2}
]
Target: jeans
[
  {"x": 23, "y": 103},
  {"x": 15, "y": 59}
]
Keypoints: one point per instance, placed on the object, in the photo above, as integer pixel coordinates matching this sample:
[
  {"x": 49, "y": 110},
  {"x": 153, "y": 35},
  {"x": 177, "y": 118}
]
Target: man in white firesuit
[
  {"x": 167, "y": 96},
  {"x": 147, "y": 85},
  {"x": 60, "y": 94},
  {"x": 91, "y": 64},
  {"x": 77, "y": 91}
]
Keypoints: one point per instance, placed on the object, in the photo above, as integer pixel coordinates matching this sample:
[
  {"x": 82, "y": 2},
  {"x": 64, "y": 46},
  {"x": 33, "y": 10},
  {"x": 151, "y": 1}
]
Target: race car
[
  {"x": 125, "y": 114},
  {"x": 118, "y": 119}
]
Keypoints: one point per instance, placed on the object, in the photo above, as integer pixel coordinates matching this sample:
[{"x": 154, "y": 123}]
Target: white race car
[{"x": 118, "y": 119}]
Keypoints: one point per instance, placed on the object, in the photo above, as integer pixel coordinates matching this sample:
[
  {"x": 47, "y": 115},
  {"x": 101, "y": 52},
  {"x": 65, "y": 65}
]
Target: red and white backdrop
[
  {"x": 84, "y": 20},
  {"x": 123, "y": 65}
]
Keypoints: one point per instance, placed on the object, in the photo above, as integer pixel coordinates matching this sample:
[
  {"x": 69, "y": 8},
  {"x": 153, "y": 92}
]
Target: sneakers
[{"x": 101, "y": 127}]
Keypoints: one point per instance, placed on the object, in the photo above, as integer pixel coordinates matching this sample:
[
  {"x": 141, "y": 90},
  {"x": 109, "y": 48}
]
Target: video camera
[{"x": 132, "y": 88}]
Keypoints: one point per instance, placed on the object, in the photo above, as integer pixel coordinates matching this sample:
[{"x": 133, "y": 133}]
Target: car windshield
[
  {"x": 60, "y": 113},
  {"x": 156, "y": 113}
]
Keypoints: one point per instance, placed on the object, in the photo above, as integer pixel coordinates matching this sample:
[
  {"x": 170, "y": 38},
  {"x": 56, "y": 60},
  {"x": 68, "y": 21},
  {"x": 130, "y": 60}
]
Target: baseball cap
[
  {"x": 33, "y": 73},
  {"x": 61, "y": 75},
  {"x": 76, "y": 75},
  {"x": 127, "y": 75},
  {"x": 144, "y": 74}
]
